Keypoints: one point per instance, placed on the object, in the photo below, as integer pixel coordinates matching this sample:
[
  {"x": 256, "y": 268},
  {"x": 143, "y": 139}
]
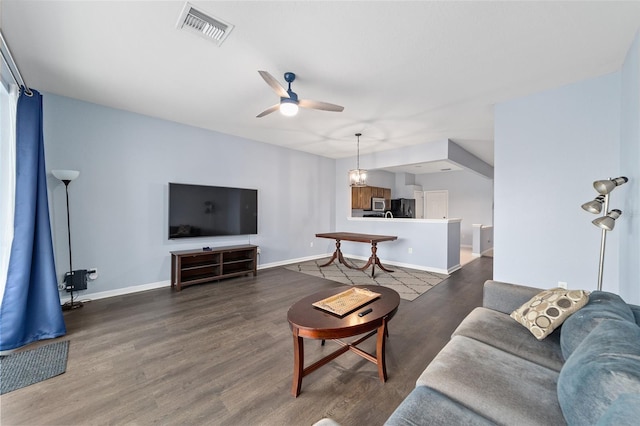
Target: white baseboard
[
  {"x": 486, "y": 251},
  {"x": 82, "y": 296},
  {"x": 408, "y": 265},
  {"x": 291, "y": 261}
]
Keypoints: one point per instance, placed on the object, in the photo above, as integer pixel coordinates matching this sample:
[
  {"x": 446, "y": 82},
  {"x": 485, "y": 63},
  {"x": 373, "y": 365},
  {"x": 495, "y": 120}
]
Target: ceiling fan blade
[
  {"x": 277, "y": 87},
  {"x": 324, "y": 106},
  {"x": 268, "y": 110}
]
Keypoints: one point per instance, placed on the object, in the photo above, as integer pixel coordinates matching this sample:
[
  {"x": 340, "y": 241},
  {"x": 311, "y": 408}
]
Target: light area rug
[
  {"x": 25, "y": 368},
  {"x": 409, "y": 283}
]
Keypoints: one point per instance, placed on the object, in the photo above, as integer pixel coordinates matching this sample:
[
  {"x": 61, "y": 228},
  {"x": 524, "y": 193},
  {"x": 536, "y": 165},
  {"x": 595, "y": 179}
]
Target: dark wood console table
[{"x": 358, "y": 238}]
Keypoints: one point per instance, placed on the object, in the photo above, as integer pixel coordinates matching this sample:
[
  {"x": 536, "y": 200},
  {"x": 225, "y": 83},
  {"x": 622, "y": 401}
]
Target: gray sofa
[{"x": 494, "y": 371}]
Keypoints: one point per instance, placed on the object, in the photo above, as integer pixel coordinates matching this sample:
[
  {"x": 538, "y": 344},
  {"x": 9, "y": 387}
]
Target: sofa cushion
[
  {"x": 624, "y": 410},
  {"x": 425, "y": 406},
  {"x": 548, "y": 309},
  {"x": 603, "y": 367},
  {"x": 602, "y": 305},
  {"x": 505, "y": 297},
  {"x": 636, "y": 312},
  {"x": 500, "y": 331},
  {"x": 497, "y": 385}
]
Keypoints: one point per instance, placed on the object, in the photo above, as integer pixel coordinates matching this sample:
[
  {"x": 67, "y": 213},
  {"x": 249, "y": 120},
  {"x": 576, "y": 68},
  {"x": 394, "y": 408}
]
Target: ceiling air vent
[{"x": 197, "y": 21}]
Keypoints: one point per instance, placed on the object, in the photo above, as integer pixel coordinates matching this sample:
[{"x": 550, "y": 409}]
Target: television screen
[{"x": 209, "y": 211}]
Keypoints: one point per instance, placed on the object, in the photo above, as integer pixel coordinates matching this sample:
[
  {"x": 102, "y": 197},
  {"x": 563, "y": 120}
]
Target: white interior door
[
  {"x": 419, "y": 197},
  {"x": 436, "y": 204}
]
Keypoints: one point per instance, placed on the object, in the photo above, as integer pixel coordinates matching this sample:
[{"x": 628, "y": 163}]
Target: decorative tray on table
[{"x": 346, "y": 301}]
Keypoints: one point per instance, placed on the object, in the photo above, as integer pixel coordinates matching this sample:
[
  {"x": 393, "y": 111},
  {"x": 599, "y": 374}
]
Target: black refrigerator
[{"x": 403, "y": 207}]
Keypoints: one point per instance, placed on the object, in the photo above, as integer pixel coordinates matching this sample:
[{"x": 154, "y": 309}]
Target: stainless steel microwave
[{"x": 378, "y": 204}]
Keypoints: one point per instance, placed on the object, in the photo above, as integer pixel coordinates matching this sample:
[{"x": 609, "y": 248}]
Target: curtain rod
[{"x": 12, "y": 66}]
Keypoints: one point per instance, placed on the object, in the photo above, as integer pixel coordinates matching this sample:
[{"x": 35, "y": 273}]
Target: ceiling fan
[{"x": 289, "y": 101}]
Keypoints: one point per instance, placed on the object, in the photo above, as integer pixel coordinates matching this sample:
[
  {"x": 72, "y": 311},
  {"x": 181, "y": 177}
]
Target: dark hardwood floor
[{"x": 222, "y": 353}]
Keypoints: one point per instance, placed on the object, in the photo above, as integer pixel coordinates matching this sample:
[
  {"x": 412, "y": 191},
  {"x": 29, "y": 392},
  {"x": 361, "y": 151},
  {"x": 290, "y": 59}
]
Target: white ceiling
[{"x": 406, "y": 72}]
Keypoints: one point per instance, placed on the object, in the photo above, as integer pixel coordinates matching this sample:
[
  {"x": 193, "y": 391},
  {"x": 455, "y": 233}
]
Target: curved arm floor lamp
[
  {"x": 66, "y": 176},
  {"x": 608, "y": 219}
]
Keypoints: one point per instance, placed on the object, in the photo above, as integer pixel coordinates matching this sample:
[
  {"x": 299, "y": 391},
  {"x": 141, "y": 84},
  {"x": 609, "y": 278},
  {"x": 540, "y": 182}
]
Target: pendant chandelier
[{"x": 357, "y": 176}]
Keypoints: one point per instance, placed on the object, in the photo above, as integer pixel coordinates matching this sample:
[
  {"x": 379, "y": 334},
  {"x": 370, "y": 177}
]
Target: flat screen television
[{"x": 210, "y": 211}]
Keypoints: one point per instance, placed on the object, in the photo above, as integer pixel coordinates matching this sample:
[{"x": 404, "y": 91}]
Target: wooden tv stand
[{"x": 190, "y": 267}]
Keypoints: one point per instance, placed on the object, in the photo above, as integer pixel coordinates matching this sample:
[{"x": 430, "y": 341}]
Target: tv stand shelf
[{"x": 190, "y": 267}]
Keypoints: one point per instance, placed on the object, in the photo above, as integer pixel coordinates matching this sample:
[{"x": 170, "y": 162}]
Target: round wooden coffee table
[{"x": 307, "y": 321}]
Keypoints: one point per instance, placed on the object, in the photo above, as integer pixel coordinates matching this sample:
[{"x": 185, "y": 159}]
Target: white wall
[
  {"x": 549, "y": 148},
  {"x": 629, "y": 228},
  {"x": 119, "y": 201},
  {"x": 586, "y": 131},
  {"x": 470, "y": 198}
]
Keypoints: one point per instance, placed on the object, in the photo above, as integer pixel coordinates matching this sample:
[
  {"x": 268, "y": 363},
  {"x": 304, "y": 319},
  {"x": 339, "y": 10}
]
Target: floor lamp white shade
[{"x": 63, "y": 175}]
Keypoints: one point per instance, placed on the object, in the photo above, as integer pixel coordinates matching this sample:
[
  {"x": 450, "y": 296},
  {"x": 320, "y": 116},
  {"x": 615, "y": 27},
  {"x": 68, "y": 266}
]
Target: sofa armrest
[
  {"x": 636, "y": 312},
  {"x": 506, "y": 297}
]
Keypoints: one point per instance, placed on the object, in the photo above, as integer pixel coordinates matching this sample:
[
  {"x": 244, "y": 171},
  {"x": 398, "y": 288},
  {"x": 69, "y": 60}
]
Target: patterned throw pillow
[{"x": 548, "y": 309}]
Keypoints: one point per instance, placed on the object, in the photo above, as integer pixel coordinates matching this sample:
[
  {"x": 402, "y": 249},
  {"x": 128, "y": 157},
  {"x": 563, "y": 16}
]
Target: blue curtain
[{"x": 30, "y": 308}]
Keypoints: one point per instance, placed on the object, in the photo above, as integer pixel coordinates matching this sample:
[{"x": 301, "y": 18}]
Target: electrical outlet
[
  {"x": 311, "y": 244},
  {"x": 258, "y": 250},
  {"x": 562, "y": 284},
  {"x": 410, "y": 250}
]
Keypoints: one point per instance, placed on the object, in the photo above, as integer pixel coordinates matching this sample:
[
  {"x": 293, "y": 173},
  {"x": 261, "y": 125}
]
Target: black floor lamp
[
  {"x": 608, "y": 219},
  {"x": 66, "y": 176}
]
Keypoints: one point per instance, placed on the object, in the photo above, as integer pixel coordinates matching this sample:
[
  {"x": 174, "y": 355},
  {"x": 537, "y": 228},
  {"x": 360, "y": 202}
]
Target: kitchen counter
[
  {"x": 404, "y": 219},
  {"x": 426, "y": 244}
]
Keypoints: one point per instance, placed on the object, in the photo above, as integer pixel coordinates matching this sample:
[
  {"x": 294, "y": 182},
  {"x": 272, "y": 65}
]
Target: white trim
[
  {"x": 83, "y": 297},
  {"x": 404, "y": 220},
  {"x": 486, "y": 251},
  {"x": 407, "y": 265},
  {"x": 292, "y": 261}
]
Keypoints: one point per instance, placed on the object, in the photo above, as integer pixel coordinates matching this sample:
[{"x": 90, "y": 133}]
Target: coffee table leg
[
  {"x": 298, "y": 363},
  {"x": 380, "y": 346}
]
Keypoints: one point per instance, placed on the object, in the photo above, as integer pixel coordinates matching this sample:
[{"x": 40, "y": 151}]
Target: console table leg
[
  {"x": 374, "y": 251},
  {"x": 373, "y": 261},
  {"x": 298, "y": 363},
  {"x": 336, "y": 255}
]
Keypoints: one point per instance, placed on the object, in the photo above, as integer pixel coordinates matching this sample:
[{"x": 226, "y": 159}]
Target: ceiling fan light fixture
[
  {"x": 289, "y": 101},
  {"x": 288, "y": 107}
]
